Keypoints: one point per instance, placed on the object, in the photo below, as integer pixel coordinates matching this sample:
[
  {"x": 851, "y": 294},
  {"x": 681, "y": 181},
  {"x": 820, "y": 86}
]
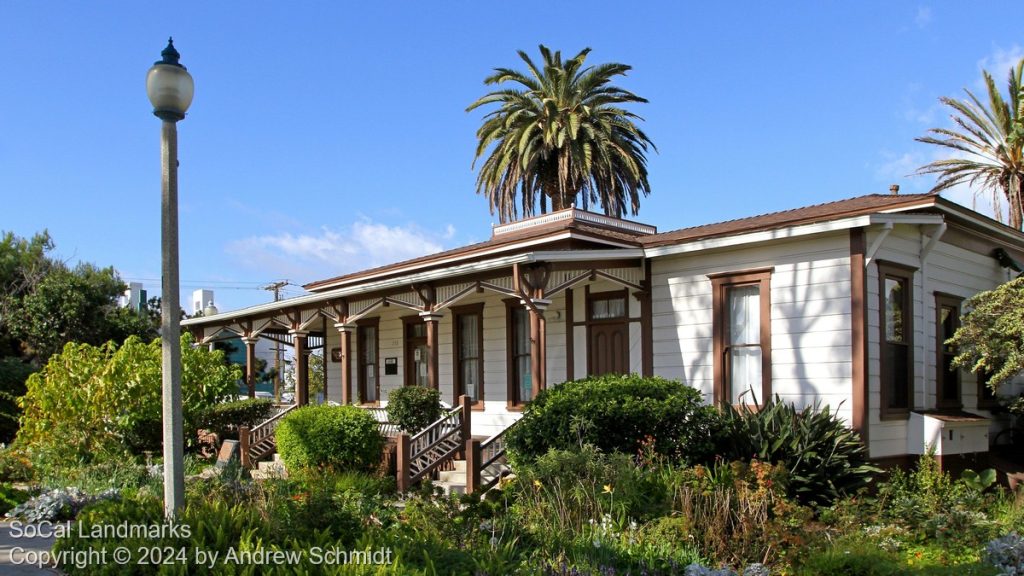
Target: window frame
[
  {"x": 361, "y": 364},
  {"x": 946, "y": 301},
  {"x": 891, "y": 270},
  {"x": 513, "y": 402},
  {"x": 720, "y": 285},
  {"x": 459, "y": 312},
  {"x": 408, "y": 350}
]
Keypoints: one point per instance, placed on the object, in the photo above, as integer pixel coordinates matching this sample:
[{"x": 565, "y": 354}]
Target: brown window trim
[
  {"x": 948, "y": 301},
  {"x": 458, "y": 386},
  {"x": 361, "y": 364},
  {"x": 513, "y": 402},
  {"x": 720, "y": 283},
  {"x": 592, "y": 297},
  {"x": 905, "y": 273},
  {"x": 986, "y": 399},
  {"x": 408, "y": 375}
]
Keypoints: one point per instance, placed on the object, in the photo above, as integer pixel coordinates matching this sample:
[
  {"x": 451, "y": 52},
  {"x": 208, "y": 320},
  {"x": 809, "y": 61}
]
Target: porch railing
[
  {"x": 387, "y": 429},
  {"x": 484, "y": 461},
  {"x": 434, "y": 446},
  {"x": 258, "y": 442}
]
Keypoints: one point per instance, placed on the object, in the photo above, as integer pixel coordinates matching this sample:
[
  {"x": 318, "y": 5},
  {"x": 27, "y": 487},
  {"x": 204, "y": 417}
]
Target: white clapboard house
[{"x": 846, "y": 304}]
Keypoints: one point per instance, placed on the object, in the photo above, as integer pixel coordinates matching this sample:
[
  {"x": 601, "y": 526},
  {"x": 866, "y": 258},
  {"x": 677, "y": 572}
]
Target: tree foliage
[
  {"x": 44, "y": 303},
  {"x": 94, "y": 400},
  {"x": 988, "y": 145},
  {"x": 990, "y": 339},
  {"x": 560, "y": 132}
]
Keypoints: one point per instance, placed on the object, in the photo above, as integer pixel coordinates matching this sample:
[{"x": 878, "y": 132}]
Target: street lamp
[{"x": 169, "y": 87}]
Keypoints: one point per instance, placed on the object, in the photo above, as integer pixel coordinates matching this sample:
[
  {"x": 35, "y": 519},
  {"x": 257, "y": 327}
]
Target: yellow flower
[
  {"x": 537, "y": 483},
  {"x": 608, "y": 489}
]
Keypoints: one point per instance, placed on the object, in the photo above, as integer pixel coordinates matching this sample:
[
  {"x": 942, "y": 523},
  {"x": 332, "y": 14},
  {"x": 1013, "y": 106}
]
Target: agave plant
[
  {"x": 824, "y": 457},
  {"x": 989, "y": 144}
]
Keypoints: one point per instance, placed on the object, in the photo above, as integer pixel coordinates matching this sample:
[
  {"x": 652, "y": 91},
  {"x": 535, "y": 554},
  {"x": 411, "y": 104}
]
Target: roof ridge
[{"x": 908, "y": 197}]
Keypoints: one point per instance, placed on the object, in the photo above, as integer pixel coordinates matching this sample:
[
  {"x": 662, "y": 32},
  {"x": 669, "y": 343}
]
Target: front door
[
  {"x": 608, "y": 334},
  {"x": 416, "y": 353}
]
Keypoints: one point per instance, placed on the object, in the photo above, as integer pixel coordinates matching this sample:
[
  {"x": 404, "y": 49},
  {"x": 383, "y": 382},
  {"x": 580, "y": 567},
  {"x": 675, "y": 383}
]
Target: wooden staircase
[
  {"x": 258, "y": 443},
  {"x": 446, "y": 452}
]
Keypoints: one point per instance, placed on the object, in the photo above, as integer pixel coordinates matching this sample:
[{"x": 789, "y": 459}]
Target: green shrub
[
  {"x": 413, "y": 408},
  {"x": 738, "y": 512},
  {"x": 929, "y": 504},
  {"x": 332, "y": 437},
  {"x": 224, "y": 419},
  {"x": 824, "y": 457},
  {"x": 10, "y": 497},
  {"x": 90, "y": 401},
  {"x": 617, "y": 413},
  {"x": 15, "y": 465},
  {"x": 565, "y": 491},
  {"x": 13, "y": 373},
  {"x": 853, "y": 559}
]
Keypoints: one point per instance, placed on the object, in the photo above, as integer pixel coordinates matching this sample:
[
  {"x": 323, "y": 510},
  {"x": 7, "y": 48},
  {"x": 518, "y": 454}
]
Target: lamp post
[{"x": 169, "y": 87}]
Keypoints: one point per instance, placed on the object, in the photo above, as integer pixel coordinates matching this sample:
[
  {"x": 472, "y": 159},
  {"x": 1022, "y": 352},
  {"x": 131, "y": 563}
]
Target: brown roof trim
[
  {"x": 543, "y": 234},
  {"x": 857, "y": 206},
  {"x": 562, "y": 230}
]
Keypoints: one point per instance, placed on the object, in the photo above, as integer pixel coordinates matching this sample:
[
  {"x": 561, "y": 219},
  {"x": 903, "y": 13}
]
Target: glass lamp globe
[{"x": 169, "y": 86}]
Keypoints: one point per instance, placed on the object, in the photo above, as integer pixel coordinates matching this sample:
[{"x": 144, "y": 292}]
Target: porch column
[
  {"x": 250, "y": 364},
  {"x": 301, "y": 368},
  {"x": 538, "y": 354},
  {"x": 345, "y": 331},
  {"x": 433, "y": 343}
]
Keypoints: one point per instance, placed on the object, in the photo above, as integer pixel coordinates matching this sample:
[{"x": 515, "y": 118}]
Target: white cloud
[
  {"x": 331, "y": 252},
  {"x": 895, "y": 168},
  {"x": 923, "y": 16},
  {"x": 998, "y": 65}
]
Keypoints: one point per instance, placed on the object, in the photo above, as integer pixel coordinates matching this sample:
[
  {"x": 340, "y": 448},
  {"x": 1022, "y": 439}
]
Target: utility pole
[{"x": 276, "y": 287}]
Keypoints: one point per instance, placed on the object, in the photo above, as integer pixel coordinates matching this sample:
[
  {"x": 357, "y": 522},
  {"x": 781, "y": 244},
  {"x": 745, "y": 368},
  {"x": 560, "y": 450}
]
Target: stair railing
[
  {"x": 257, "y": 442},
  {"x": 387, "y": 429},
  {"x": 435, "y": 445},
  {"x": 482, "y": 455}
]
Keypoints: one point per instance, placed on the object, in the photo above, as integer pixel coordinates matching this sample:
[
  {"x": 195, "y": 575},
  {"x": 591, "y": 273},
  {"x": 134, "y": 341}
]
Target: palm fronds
[
  {"x": 559, "y": 134},
  {"x": 988, "y": 142}
]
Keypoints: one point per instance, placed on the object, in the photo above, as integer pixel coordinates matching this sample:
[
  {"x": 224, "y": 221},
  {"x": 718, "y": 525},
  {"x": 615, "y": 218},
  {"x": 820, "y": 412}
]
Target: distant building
[
  {"x": 134, "y": 297},
  {"x": 200, "y": 299}
]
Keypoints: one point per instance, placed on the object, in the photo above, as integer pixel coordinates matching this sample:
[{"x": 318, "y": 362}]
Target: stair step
[{"x": 452, "y": 476}]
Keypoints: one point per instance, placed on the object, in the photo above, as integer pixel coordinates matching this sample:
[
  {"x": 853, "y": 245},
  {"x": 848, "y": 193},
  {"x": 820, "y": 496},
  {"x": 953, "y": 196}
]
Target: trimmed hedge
[
  {"x": 413, "y": 408},
  {"x": 618, "y": 413},
  {"x": 225, "y": 418},
  {"x": 329, "y": 437}
]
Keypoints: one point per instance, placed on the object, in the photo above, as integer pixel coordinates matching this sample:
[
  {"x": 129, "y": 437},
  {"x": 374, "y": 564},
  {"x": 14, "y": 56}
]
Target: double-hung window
[
  {"x": 520, "y": 389},
  {"x": 947, "y": 378},
  {"x": 469, "y": 351},
  {"x": 742, "y": 336},
  {"x": 896, "y": 316}
]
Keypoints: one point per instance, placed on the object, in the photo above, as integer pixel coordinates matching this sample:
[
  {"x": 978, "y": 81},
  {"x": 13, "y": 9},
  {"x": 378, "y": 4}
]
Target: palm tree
[
  {"x": 990, "y": 141},
  {"x": 560, "y": 133}
]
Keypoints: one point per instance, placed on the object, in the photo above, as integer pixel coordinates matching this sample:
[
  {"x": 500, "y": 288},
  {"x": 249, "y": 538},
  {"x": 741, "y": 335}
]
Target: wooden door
[{"x": 608, "y": 352}]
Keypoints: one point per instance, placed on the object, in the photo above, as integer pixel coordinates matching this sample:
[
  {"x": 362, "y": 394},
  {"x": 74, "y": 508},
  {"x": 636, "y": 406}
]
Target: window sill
[{"x": 894, "y": 415}]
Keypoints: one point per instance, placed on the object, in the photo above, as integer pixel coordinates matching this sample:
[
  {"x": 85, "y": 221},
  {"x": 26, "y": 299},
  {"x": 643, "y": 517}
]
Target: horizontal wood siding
[
  {"x": 948, "y": 269},
  {"x": 810, "y": 316}
]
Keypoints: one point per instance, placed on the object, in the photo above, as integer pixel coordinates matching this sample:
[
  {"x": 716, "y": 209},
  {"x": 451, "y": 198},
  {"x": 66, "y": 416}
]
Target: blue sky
[{"x": 328, "y": 137}]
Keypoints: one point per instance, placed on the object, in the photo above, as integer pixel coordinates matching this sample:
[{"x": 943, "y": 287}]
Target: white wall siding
[
  {"x": 810, "y": 317},
  {"x": 948, "y": 269}
]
